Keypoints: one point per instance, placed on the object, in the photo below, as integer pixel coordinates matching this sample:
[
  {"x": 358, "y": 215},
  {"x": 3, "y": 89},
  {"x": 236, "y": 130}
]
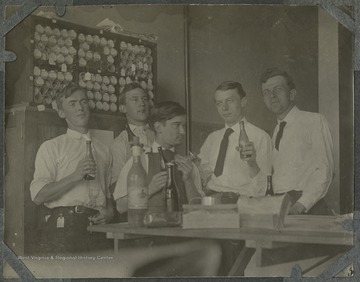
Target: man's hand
[
  {"x": 249, "y": 156},
  {"x": 185, "y": 165},
  {"x": 104, "y": 216},
  {"x": 157, "y": 182},
  {"x": 247, "y": 153},
  {"x": 85, "y": 166},
  {"x": 297, "y": 208}
]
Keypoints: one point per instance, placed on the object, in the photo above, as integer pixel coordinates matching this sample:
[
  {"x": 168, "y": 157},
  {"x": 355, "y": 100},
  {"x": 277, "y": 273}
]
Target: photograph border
[{"x": 330, "y": 6}]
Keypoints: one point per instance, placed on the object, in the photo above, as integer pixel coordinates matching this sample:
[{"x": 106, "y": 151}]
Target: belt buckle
[{"x": 77, "y": 209}]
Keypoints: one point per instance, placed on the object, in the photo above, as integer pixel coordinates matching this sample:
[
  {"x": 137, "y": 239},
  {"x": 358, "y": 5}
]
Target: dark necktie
[
  {"x": 279, "y": 134},
  {"x": 222, "y": 153}
]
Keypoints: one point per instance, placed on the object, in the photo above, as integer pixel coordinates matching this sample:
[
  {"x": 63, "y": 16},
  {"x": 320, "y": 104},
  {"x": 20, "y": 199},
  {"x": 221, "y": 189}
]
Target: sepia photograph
[{"x": 178, "y": 140}]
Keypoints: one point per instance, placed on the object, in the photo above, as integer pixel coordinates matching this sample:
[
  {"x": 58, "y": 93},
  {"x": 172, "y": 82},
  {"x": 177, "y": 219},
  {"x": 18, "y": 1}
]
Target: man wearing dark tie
[
  {"x": 223, "y": 170},
  {"x": 302, "y": 155}
]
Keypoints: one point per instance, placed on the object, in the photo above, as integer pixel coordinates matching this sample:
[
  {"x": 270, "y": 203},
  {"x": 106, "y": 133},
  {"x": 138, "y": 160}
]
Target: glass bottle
[
  {"x": 243, "y": 140},
  {"x": 163, "y": 160},
  {"x": 170, "y": 192},
  {"x": 269, "y": 188},
  {"x": 137, "y": 189},
  {"x": 90, "y": 156}
]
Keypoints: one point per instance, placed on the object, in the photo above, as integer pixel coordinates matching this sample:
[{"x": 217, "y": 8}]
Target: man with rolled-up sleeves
[{"x": 59, "y": 183}]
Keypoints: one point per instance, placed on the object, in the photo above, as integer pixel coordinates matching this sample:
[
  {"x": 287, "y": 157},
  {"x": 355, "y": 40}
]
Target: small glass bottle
[
  {"x": 243, "y": 140},
  {"x": 170, "y": 192},
  {"x": 137, "y": 189},
  {"x": 163, "y": 160},
  {"x": 90, "y": 156},
  {"x": 269, "y": 188}
]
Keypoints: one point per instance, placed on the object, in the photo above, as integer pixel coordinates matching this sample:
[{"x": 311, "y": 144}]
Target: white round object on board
[
  {"x": 106, "y": 80},
  {"x": 91, "y": 104},
  {"x": 56, "y": 32},
  {"x": 60, "y": 76},
  {"x": 90, "y": 95},
  {"x": 99, "y": 105},
  {"x": 68, "y": 76},
  {"x": 113, "y": 80},
  {"x": 44, "y": 74},
  {"x": 111, "y": 43},
  {"x": 89, "y": 39},
  {"x": 106, "y": 106},
  {"x": 113, "y": 98},
  {"x": 81, "y": 38},
  {"x": 98, "y": 78},
  {"x": 111, "y": 89},
  {"x": 64, "y": 33},
  {"x": 72, "y": 34},
  {"x": 39, "y": 28},
  {"x": 37, "y": 71},
  {"x": 89, "y": 85},
  {"x": 96, "y": 86},
  {"x": 113, "y": 107},
  {"x": 98, "y": 96},
  {"x": 106, "y": 97}
]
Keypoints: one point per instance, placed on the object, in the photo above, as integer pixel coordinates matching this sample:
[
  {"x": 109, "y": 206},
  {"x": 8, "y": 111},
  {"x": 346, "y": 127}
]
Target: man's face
[
  {"x": 230, "y": 106},
  {"x": 75, "y": 109},
  {"x": 136, "y": 106},
  {"x": 278, "y": 97},
  {"x": 172, "y": 132}
]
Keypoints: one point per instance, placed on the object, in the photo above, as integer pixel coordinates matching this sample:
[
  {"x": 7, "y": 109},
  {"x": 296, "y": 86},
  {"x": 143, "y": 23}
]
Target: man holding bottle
[
  {"x": 60, "y": 183},
  {"x": 232, "y": 166},
  {"x": 235, "y": 160},
  {"x": 169, "y": 121},
  {"x": 302, "y": 156}
]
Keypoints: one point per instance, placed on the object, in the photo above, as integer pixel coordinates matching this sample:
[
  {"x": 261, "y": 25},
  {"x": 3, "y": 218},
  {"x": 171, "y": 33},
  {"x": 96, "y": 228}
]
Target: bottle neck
[
  {"x": 136, "y": 153},
  {"x": 88, "y": 149},
  {"x": 170, "y": 175}
]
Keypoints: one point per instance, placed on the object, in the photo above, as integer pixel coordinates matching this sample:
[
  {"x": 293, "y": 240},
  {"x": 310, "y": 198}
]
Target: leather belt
[{"x": 73, "y": 210}]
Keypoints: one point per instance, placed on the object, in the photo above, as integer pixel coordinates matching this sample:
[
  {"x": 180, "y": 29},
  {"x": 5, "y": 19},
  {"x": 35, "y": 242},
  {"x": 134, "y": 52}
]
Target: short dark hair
[
  {"x": 228, "y": 85},
  {"x": 164, "y": 111},
  {"x": 128, "y": 88},
  {"x": 66, "y": 92},
  {"x": 271, "y": 72}
]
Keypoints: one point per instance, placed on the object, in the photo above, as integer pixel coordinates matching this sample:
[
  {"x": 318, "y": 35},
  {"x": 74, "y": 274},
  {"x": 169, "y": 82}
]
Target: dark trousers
[
  {"x": 320, "y": 208},
  {"x": 71, "y": 236}
]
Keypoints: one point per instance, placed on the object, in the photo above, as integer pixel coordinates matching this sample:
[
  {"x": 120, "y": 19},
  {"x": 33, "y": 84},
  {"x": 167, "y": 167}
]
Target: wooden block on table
[{"x": 216, "y": 216}]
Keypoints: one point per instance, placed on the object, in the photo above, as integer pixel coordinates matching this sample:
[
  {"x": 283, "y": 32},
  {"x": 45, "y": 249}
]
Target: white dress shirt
[
  {"x": 59, "y": 157},
  {"x": 304, "y": 161},
  {"x": 121, "y": 184},
  {"x": 235, "y": 177},
  {"x": 121, "y": 151}
]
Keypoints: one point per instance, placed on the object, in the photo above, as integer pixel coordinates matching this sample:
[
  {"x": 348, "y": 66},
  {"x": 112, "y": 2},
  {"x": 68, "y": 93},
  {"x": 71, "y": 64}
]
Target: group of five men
[{"x": 299, "y": 156}]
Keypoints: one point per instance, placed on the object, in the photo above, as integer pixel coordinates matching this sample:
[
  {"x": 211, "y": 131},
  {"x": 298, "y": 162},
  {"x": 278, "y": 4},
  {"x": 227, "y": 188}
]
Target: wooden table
[{"x": 306, "y": 229}]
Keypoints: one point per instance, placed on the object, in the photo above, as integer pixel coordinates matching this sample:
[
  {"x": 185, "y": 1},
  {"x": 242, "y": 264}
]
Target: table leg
[
  {"x": 116, "y": 245},
  {"x": 241, "y": 262}
]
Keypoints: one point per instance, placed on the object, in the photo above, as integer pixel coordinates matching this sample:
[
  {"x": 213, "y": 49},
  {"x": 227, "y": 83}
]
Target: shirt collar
[
  {"x": 77, "y": 135},
  {"x": 155, "y": 145},
  {"x": 143, "y": 127},
  {"x": 291, "y": 116},
  {"x": 236, "y": 126}
]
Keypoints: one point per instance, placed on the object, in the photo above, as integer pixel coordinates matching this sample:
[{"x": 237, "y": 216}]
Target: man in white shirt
[
  {"x": 169, "y": 121},
  {"x": 59, "y": 183},
  {"x": 302, "y": 156},
  {"x": 238, "y": 176},
  {"x": 134, "y": 103}
]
